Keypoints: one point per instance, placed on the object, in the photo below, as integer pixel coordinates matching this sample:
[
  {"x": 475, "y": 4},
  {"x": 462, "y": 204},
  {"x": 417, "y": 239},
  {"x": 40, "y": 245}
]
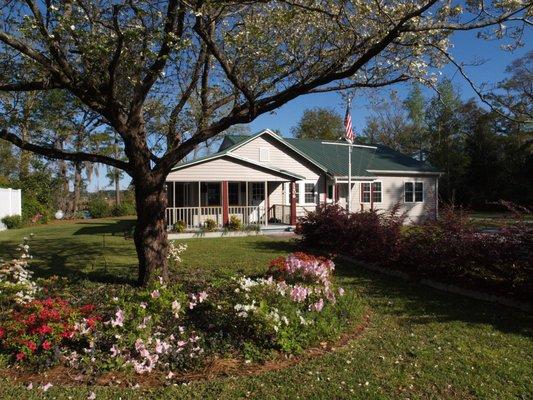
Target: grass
[{"x": 420, "y": 344}]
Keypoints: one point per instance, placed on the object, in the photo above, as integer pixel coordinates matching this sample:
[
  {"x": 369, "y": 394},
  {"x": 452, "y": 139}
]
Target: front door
[{"x": 257, "y": 200}]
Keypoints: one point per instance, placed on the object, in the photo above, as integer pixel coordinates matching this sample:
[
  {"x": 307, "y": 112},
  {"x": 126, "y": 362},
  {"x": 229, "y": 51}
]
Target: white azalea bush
[{"x": 16, "y": 283}]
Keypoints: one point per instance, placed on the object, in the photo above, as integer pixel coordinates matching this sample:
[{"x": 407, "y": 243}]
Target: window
[
  {"x": 258, "y": 192},
  {"x": 414, "y": 191},
  {"x": 376, "y": 192},
  {"x": 367, "y": 189},
  {"x": 264, "y": 154},
  {"x": 233, "y": 193},
  {"x": 309, "y": 194},
  {"x": 211, "y": 194}
]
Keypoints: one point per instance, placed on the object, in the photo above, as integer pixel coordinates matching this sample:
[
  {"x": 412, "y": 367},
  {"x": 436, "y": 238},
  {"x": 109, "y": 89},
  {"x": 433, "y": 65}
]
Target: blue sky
[{"x": 467, "y": 48}]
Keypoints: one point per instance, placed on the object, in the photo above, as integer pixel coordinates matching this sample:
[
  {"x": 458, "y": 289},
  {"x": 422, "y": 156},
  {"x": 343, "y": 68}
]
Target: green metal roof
[{"x": 335, "y": 158}]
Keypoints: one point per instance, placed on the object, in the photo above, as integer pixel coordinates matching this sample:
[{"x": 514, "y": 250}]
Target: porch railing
[
  {"x": 248, "y": 214},
  {"x": 279, "y": 213},
  {"x": 194, "y": 217}
]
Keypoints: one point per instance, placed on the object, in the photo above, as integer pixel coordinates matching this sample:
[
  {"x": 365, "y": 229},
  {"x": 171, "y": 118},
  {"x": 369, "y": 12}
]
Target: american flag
[{"x": 348, "y": 125}]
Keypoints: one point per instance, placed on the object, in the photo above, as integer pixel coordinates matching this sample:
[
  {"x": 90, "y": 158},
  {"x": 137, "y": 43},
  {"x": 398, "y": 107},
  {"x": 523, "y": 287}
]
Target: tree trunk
[
  {"x": 117, "y": 187},
  {"x": 150, "y": 232},
  {"x": 77, "y": 187}
]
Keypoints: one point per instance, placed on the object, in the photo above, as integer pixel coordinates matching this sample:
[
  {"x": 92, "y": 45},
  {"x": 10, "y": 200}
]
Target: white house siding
[
  {"x": 226, "y": 169},
  {"x": 392, "y": 192},
  {"x": 280, "y": 157}
]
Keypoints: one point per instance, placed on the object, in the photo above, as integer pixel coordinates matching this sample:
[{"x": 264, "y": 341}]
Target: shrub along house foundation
[{"x": 267, "y": 179}]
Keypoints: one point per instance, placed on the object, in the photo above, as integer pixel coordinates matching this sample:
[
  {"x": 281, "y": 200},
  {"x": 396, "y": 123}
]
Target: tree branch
[
  {"x": 173, "y": 18},
  {"x": 62, "y": 155},
  {"x": 28, "y": 86}
]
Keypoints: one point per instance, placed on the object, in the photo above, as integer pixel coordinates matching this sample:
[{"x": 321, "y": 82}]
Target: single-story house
[{"x": 269, "y": 179}]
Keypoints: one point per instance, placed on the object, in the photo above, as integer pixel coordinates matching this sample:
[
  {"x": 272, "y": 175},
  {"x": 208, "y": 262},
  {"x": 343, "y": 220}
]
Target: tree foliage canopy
[
  {"x": 319, "y": 123},
  {"x": 193, "y": 69}
]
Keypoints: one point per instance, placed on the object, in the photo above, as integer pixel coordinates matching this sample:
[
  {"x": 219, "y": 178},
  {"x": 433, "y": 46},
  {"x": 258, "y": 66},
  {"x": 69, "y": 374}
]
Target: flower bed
[{"x": 168, "y": 329}]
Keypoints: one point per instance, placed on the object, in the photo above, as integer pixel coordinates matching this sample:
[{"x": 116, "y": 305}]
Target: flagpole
[
  {"x": 349, "y": 139},
  {"x": 349, "y": 179}
]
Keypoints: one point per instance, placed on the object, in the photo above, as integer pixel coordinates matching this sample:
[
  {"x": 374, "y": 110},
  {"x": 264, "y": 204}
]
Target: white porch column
[
  {"x": 199, "y": 203},
  {"x": 266, "y": 203}
]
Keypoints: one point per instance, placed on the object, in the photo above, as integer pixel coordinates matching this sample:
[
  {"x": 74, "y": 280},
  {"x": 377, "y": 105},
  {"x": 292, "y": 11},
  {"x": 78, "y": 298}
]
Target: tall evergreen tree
[{"x": 446, "y": 150}]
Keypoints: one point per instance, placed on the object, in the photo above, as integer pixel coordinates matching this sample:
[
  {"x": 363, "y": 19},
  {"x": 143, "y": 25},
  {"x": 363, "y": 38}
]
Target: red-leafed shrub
[
  {"x": 452, "y": 250},
  {"x": 368, "y": 235},
  {"x": 42, "y": 326},
  {"x": 448, "y": 250}
]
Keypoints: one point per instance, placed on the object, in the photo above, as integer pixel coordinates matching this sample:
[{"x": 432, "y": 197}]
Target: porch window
[
  {"x": 233, "y": 193},
  {"x": 258, "y": 192},
  {"x": 376, "y": 192},
  {"x": 414, "y": 192},
  {"x": 211, "y": 194},
  {"x": 309, "y": 194}
]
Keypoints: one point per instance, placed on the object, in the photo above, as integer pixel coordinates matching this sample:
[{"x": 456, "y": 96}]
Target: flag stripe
[{"x": 349, "y": 135}]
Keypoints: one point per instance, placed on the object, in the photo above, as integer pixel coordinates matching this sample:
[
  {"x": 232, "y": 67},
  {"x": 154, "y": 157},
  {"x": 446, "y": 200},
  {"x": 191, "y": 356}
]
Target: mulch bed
[{"x": 217, "y": 368}]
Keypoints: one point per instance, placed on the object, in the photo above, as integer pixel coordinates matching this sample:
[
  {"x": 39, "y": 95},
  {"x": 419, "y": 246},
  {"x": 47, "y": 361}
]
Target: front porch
[{"x": 265, "y": 203}]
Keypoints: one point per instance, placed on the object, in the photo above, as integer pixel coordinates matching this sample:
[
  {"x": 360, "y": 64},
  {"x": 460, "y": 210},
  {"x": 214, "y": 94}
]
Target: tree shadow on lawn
[
  {"x": 95, "y": 227},
  {"x": 419, "y": 304},
  {"x": 275, "y": 245},
  {"x": 94, "y": 258}
]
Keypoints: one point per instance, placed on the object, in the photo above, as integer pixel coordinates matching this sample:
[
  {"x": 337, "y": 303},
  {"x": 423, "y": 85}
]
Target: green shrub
[
  {"x": 12, "y": 221},
  {"x": 99, "y": 208},
  {"x": 234, "y": 223},
  {"x": 124, "y": 208},
  {"x": 210, "y": 225},
  {"x": 179, "y": 227},
  {"x": 33, "y": 211}
]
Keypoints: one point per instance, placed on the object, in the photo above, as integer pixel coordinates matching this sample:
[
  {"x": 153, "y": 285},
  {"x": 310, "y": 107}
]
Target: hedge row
[{"x": 449, "y": 250}]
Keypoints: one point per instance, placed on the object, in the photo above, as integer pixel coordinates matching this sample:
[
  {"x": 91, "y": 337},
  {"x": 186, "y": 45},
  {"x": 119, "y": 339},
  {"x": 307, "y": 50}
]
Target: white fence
[{"x": 10, "y": 204}]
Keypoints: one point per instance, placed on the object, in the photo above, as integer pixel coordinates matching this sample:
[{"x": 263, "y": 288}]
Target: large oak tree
[{"x": 169, "y": 75}]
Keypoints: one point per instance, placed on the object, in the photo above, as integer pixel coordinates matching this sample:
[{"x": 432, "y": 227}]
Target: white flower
[
  {"x": 176, "y": 307},
  {"x": 72, "y": 27},
  {"x": 155, "y": 294},
  {"x": 91, "y": 396}
]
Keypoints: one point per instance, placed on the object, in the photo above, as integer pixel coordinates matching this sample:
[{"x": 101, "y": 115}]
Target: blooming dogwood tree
[{"x": 168, "y": 75}]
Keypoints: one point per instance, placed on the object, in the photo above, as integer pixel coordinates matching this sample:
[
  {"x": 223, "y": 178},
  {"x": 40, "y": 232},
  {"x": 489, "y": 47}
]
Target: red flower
[
  {"x": 44, "y": 329},
  {"x": 20, "y": 356},
  {"x": 47, "y": 345},
  {"x": 31, "y": 319},
  {"x": 91, "y": 322},
  {"x": 31, "y": 345},
  {"x": 2, "y": 332}
]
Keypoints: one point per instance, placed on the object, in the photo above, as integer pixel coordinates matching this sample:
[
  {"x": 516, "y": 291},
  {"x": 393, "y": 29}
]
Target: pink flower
[
  {"x": 155, "y": 294},
  {"x": 318, "y": 306},
  {"x": 114, "y": 351},
  {"x": 119, "y": 320},
  {"x": 299, "y": 293},
  {"x": 202, "y": 296},
  {"x": 143, "y": 305}
]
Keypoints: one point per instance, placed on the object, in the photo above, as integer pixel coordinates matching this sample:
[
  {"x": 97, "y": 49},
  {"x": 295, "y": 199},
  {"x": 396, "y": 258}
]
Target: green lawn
[{"x": 420, "y": 343}]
